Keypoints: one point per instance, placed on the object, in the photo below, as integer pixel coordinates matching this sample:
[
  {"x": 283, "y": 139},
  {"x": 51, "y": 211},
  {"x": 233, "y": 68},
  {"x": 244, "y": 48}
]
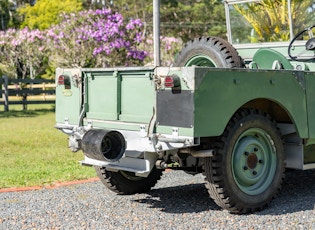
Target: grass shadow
[{"x": 25, "y": 113}]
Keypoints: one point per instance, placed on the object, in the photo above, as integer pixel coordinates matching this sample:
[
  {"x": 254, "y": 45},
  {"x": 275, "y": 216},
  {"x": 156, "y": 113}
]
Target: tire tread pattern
[
  {"x": 119, "y": 184},
  {"x": 222, "y": 47}
]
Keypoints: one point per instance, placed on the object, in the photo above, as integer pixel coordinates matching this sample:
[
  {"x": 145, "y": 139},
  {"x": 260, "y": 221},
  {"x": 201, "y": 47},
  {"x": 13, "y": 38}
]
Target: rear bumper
[
  {"x": 137, "y": 141},
  {"x": 141, "y": 151}
]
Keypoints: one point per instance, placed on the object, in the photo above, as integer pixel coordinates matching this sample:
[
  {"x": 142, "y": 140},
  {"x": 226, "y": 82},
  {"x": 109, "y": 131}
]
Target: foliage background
[
  {"x": 181, "y": 21},
  {"x": 183, "y": 18},
  {"x": 46, "y": 13},
  {"x": 270, "y": 18},
  {"x": 39, "y": 56}
]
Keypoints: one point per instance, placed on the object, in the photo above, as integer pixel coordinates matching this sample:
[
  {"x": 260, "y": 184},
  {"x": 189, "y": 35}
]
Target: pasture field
[{"x": 33, "y": 152}]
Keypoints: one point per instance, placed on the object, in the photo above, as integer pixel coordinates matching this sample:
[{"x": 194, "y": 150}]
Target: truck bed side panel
[
  {"x": 221, "y": 92},
  {"x": 310, "y": 93}
]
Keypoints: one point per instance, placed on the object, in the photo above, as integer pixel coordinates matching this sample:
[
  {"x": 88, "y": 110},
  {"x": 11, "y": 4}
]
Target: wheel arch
[{"x": 275, "y": 109}]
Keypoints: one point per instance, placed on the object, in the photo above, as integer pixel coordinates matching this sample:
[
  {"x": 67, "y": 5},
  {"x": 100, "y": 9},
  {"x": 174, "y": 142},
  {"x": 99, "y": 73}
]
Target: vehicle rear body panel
[
  {"x": 68, "y": 98},
  {"x": 152, "y": 117},
  {"x": 223, "y": 91},
  {"x": 208, "y": 98},
  {"x": 117, "y": 95}
]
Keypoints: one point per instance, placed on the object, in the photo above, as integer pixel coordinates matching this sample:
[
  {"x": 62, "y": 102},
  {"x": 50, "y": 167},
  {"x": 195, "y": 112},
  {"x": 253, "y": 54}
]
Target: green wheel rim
[
  {"x": 201, "y": 60},
  {"x": 254, "y": 161}
]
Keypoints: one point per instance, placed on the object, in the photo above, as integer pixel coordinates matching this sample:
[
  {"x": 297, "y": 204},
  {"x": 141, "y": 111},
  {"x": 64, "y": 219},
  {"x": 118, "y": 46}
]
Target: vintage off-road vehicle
[{"x": 238, "y": 111}]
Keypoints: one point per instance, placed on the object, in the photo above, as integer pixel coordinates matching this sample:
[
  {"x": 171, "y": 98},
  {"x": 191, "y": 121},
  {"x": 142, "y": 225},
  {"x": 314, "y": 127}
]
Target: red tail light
[
  {"x": 171, "y": 81},
  {"x": 61, "y": 80}
]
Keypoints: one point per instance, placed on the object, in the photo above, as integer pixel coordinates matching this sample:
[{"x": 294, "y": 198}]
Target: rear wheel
[
  {"x": 126, "y": 183},
  {"x": 248, "y": 169},
  {"x": 210, "y": 52}
]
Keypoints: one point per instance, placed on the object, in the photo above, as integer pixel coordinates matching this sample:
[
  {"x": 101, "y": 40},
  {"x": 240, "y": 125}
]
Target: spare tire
[{"x": 210, "y": 52}]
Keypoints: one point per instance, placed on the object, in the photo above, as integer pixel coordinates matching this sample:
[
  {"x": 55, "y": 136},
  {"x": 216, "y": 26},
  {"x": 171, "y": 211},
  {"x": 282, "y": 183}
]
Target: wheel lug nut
[
  {"x": 245, "y": 167},
  {"x": 261, "y": 161},
  {"x": 254, "y": 173},
  {"x": 255, "y": 149},
  {"x": 246, "y": 153}
]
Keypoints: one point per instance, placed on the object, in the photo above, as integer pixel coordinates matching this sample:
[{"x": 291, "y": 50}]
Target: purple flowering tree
[
  {"x": 22, "y": 52},
  {"x": 98, "y": 38},
  {"x": 169, "y": 46}
]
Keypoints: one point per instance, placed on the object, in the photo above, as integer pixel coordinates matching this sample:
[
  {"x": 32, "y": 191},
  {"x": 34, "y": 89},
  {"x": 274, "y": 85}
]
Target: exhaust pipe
[{"x": 103, "y": 145}]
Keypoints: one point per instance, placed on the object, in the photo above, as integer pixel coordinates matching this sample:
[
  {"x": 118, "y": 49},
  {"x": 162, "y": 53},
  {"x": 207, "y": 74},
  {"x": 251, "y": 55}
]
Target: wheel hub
[{"x": 252, "y": 161}]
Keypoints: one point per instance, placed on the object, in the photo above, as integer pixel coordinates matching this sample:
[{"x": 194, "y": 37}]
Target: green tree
[
  {"x": 5, "y": 6},
  {"x": 96, "y": 4},
  {"x": 46, "y": 13},
  {"x": 190, "y": 19},
  {"x": 270, "y": 18},
  {"x": 11, "y": 9},
  {"x": 186, "y": 19},
  {"x": 20, "y": 3}
]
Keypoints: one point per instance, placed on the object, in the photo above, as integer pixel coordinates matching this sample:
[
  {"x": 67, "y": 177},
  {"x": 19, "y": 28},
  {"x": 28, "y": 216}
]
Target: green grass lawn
[{"x": 33, "y": 152}]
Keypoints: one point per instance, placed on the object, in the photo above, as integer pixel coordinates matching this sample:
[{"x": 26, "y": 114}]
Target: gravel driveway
[{"x": 178, "y": 201}]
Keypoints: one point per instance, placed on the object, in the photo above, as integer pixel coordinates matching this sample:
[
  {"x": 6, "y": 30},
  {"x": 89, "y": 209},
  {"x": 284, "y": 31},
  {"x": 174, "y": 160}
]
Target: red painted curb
[{"x": 56, "y": 185}]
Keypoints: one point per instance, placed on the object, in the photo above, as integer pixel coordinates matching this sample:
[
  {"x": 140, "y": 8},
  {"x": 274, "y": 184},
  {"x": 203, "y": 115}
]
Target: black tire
[
  {"x": 126, "y": 183},
  {"x": 211, "y": 52},
  {"x": 248, "y": 168}
]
